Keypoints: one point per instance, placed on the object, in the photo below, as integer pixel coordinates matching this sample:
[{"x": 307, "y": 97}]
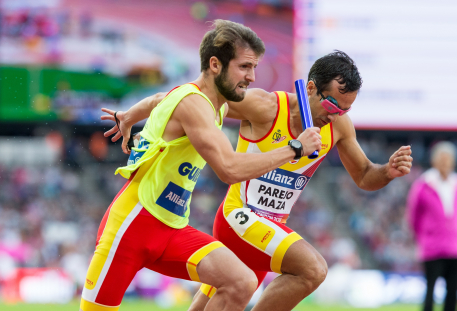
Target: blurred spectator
[{"x": 432, "y": 213}]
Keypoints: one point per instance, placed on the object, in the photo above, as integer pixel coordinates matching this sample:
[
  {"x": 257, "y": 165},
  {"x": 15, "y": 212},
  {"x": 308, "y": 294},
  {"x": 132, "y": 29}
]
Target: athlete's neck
[{"x": 209, "y": 88}]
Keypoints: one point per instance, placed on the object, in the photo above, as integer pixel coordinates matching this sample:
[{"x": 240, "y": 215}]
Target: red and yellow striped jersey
[{"x": 274, "y": 194}]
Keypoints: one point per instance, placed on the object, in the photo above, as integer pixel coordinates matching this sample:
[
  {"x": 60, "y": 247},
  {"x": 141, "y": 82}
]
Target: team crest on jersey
[{"x": 277, "y": 137}]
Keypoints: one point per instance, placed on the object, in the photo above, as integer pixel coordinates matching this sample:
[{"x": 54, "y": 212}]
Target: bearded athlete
[
  {"x": 147, "y": 223},
  {"x": 270, "y": 121}
]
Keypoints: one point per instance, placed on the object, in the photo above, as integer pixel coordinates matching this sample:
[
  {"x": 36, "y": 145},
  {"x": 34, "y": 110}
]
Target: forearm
[
  {"x": 245, "y": 166},
  {"x": 375, "y": 177},
  {"x": 142, "y": 109}
]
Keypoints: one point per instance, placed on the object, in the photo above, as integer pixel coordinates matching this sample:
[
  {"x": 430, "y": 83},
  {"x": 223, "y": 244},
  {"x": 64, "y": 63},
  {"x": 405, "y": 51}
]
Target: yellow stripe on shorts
[
  {"x": 278, "y": 255},
  {"x": 259, "y": 235},
  {"x": 208, "y": 290},
  {"x": 196, "y": 257},
  {"x": 91, "y": 306}
]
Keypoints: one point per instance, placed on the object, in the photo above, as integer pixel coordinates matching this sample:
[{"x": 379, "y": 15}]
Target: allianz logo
[
  {"x": 175, "y": 198},
  {"x": 281, "y": 177},
  {"x": 274, "y": 176},
  {"x": 192, "y": 172}
]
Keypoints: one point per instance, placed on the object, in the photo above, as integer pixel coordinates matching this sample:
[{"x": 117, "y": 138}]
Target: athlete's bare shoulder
[
  {"x": 258, "y": 106},
  {"x": 192, "y": 109},
  {"x": 293, "y": 102}
]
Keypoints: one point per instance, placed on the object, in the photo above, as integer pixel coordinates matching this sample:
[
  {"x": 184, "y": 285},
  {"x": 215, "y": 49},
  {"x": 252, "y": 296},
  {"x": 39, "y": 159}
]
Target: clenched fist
[
  {"x": 311, "y": 140},
  {"x": 400, "y": 162}
]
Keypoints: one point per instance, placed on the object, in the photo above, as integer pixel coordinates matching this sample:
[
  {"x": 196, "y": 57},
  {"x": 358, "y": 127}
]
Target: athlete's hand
[
  {"x": 311, "y": 140},
  {"x": 400, "y": 162},
  {"x": 124, "y": 129}
]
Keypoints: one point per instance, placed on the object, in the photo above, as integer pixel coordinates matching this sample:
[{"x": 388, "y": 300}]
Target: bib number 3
[
  {"x": 241, "y": 219},
  {"x": 243, "y": 216}
]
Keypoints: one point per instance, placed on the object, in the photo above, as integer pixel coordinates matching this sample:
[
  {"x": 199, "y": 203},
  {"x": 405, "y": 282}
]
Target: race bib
[{"x": 274, "y": 194}]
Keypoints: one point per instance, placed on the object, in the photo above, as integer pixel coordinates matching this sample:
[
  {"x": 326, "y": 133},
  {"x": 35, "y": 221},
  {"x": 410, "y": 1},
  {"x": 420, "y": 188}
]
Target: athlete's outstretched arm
[
  {"x": 197, "y": 119},
  {"x": 129, "y": 118},
  {"x": 367, "y": 175}
]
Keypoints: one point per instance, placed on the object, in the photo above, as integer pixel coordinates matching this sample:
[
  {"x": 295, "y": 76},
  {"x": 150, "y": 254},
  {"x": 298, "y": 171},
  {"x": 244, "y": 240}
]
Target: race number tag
[
  {"x": 274, "y": 194},
  {"x": 241, "y": 219}
]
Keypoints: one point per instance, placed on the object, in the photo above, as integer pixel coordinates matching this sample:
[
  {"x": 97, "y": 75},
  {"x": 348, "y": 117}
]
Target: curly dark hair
[
  {"x": 336, "y": 66},
  {"x": 223, "y": 40}
]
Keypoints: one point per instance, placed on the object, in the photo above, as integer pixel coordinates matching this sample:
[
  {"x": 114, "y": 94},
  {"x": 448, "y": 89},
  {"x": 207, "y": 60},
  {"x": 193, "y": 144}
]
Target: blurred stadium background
[{"x": 62, "y": 60}]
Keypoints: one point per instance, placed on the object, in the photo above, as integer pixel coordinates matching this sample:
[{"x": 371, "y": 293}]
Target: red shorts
[
  {"x": 129, "y": 239},
  {"x": 259, "y": 242}
]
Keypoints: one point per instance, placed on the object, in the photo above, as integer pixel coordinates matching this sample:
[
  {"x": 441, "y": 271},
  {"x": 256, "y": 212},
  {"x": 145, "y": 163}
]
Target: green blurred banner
[{"x": 42, "y": 94}]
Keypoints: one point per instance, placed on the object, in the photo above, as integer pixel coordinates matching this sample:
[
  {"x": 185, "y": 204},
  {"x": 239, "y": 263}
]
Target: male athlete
[
  {"x": 147, "y": 223},
  {"x": 269, "y": 122}
]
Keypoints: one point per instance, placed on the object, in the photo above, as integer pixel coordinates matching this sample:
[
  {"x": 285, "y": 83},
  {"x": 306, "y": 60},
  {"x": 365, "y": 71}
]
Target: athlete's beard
[{"x": 226, "y": 89}]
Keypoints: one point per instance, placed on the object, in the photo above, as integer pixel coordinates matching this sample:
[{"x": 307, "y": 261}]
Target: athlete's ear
[
  {"x": 215, "y": 65},
  {"x": 311, "y": 88}
]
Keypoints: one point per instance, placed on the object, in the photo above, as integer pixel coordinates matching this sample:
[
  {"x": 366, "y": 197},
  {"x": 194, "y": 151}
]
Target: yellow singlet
[
  {"x": 274, "y": 194},
  {"x": 166, "y": 188}
]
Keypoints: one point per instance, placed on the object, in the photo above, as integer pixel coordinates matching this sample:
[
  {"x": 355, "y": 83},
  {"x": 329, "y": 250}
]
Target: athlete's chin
[
  {"x": 323, "y": 123},
  {"x": 319, "y": 123},
  {"x": 238, "y": 97},
  {"x": 241, "y": 91}
]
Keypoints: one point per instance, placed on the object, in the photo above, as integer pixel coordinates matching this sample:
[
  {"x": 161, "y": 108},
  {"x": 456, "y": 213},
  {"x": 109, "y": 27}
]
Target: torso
[
  {"x": 274, "y": 194},
  {"x": 174, "y": 161}
]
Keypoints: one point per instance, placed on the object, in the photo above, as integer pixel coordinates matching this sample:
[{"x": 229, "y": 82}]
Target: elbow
[
  {"x": 368, "y": 187},
  {"x": 228, "y": 175},
  {"x": 365, "y": 187},
  {"x": 228, "y": 178}
]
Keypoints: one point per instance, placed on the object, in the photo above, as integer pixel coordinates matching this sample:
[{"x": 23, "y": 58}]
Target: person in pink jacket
[{"x": 432, "y": 214}]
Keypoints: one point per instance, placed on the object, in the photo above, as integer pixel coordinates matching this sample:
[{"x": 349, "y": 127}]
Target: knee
[
  {"x": 248, "y": 283},
  {"x": 243, "y": 286},
  {"x": 314, "y": 273}
]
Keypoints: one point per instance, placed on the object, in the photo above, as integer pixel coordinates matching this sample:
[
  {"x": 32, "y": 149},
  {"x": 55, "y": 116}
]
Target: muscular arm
[
  {"x": 143, "y": 108},
  {"x": 258, "y": 106},
  {"x": 197, "y": 119},
  {"x": 368, "y": 175}
]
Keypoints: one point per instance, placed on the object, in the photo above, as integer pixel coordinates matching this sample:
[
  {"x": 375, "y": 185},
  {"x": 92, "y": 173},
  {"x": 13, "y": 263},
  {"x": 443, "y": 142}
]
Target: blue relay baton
[{"x": 305, "y": 111}]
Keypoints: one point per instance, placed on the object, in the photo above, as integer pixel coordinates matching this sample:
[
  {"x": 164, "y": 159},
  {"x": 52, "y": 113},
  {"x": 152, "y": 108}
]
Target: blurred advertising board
[
  {"x": 404, "y": 49},
  {"x": 38, "y": 285},
  {"x": 29, "y": 94},
  {"x": 374, "y": 288}
]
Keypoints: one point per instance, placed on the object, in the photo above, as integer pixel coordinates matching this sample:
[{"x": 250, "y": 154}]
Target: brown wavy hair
[{"x": 223, "y": 40}]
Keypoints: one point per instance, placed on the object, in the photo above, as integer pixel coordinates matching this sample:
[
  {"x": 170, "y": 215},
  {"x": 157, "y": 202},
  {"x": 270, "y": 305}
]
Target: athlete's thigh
[
  {"x": 259, "y": 242},
  {"x": 184, "y": 251},
  {"x": 302, "y": 258}
]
